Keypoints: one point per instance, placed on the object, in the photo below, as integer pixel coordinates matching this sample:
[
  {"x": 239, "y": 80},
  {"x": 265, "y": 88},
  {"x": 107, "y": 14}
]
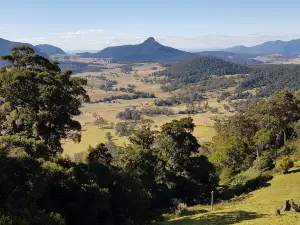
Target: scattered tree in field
[
  {"x": 109, "y": 136},
  {"x": 129, "y": 114},
  {"x": 124, "y": 128},
  {"x": 99, "y": 121}
]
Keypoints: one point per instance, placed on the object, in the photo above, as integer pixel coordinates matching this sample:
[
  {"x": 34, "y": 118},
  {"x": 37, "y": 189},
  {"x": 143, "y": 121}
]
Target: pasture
[
  {"x": 257, "y": 209},
  {"x": 92, "y": 135}
]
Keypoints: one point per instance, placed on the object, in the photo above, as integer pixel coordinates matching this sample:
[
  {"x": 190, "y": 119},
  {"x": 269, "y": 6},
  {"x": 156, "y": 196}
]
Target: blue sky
[{"x": 189, "y": 24}]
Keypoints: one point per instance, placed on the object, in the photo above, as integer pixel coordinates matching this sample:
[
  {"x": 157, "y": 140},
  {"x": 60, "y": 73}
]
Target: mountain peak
[{"x": 149, "y": 40}]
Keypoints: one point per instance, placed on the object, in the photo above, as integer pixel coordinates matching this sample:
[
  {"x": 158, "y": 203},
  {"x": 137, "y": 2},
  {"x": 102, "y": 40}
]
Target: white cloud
[
  {"x": 122, "y": 34},
  {"x": 40, "y": 40},
  {"x": 94, "y": 42},
  {"x": 78, "y": 33},
  {"x": 22, "y": 40}
]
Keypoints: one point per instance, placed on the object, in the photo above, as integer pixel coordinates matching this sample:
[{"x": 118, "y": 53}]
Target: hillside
[
  {"x": 232, "y": 57},
  {"x": 6, "y": 46},
  {"x": 148, "y": 51},
  {"x": 197, "y": 68},
  {"x": 255, "y": 210},
  {"x": 271, "y": 78},
  {"x": 286, "y": 47},
  {"x": 50, "y": 49}
]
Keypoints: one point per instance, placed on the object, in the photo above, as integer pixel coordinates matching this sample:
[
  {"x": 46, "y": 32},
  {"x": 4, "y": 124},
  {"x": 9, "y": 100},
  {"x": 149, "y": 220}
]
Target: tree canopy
[{"x": 38, "y": 102}]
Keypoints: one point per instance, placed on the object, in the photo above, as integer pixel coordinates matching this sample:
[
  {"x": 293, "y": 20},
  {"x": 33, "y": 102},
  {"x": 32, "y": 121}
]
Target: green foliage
[
  {"x": 256, "y": 137},
  {"x": 284, "y": 164},
  {"x": 243, "y": 177},
  {"x": 245, "y": 182},
  {"x": 5, "y": 220},
  {"x": 38, "y": 100},
  {"x": 168, "y": 162},
  {"x": 199, "y": 68},
  {"x": 129, "y": 114},
  {"x": 40, "y": 187},
  {"x": 180, "y": 209},
  {"x": 99, "y": 154},
  {"x": 263, "y": 163},
  {"x": 271, "y": 78}
]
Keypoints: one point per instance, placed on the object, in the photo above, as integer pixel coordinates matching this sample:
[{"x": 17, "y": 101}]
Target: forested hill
[
  {"x": 271, "y": 78},
  {"x": 194, "y": 69},
  {"x": 232, "y": 57},
  {"x": 6, "y": 47},
  {"x": 50, "y": 49},
  {"x": 148, "y": 51}
]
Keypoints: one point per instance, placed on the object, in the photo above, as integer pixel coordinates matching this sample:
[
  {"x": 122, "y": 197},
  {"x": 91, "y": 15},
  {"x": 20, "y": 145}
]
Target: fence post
[{"x": 212, "y": 201}]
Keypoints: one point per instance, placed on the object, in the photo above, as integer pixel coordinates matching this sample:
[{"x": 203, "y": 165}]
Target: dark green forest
[
  {"x": 200, "y": 71},
  {"x": 195, "y": 69},
  {"x": 271, "y": 78}
]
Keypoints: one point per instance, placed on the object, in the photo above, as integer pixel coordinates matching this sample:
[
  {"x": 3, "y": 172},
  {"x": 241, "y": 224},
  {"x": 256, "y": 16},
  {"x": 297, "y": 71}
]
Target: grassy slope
[{"x": 256, "y": 210}]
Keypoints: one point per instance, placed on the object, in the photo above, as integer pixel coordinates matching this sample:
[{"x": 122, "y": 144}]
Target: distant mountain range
[
  {"x": 152, "y": 51},
  {"x": 80, "y": 51},
  {"x": 6, "y": 46},
  {"x": 148, "y": 51},
  {"x": 50, "y": 49},
  {"x": 44, "y": 50},
  {"x": 290, "y": 48}
]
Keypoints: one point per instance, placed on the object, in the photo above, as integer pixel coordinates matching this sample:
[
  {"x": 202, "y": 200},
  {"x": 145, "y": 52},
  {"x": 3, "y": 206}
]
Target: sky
[{"x": 185, "y": 24}]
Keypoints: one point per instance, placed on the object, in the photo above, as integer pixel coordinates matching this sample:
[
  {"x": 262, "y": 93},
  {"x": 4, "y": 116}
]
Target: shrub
[
  {"x": 5, "y": 220},
  {"x": 245, "y": 182},
  {"x": 129, "y": 114},
  {"x": 180, "y": 209},
  {"x": 284, "y": 164},
  {"x": 243, "y": 177},
  {"x": 264, "y": 163},
  {"x": 226, "y": 175}
]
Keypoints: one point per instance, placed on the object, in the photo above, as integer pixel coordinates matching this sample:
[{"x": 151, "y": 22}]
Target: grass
[
  {"x": 256, "y": 210},
  {"x": 91, "y": 135}
]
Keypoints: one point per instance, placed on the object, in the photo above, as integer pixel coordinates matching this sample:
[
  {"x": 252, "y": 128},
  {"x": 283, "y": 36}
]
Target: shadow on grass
[
  {"x": 222, "y": 218},
  {"x": 294, "y": 171},
  {"x": 194, "y": 212}
]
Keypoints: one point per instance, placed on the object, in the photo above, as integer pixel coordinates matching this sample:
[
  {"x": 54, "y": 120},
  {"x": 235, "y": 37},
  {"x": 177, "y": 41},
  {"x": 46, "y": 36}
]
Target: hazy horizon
[{"x": 94, "y": 25}]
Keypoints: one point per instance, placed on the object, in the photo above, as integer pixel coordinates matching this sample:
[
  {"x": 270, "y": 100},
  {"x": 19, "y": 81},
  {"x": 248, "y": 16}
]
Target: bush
[
  {"x": 264, "y": 163},
  {"x": 129, "y": 114},
  {"x": 245, "y": 182},
  {"x": 243, "y": 177},
  {"x": 5, "y": 220},
  {"x": 226, "y": 175},
  {"x": 284, "y": 164},
  {"x": 180, "y": 209}
]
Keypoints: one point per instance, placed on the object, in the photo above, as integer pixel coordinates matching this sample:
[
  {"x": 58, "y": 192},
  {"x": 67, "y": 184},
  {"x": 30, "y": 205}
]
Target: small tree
[
  {"x": 261, "y": 139},
  {"x": 108, "y": 136}
]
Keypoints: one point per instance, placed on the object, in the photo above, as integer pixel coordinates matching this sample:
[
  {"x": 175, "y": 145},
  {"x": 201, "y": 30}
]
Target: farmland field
[{"x": 92, "y": 135}]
